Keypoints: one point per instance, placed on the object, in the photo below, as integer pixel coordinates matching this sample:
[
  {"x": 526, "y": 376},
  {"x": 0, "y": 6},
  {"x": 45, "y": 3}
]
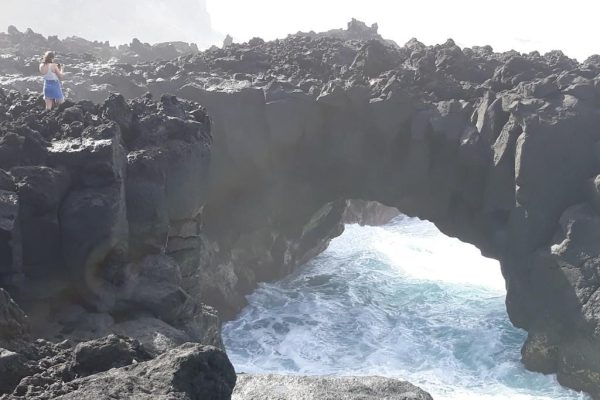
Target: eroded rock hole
[{"x": 399, "y": 299}]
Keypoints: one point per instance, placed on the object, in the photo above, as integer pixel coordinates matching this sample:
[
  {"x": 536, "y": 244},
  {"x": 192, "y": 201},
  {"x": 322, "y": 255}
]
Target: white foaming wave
[
  {"x": 420, "y": 251},
  {"x": 353, "y": 311}
]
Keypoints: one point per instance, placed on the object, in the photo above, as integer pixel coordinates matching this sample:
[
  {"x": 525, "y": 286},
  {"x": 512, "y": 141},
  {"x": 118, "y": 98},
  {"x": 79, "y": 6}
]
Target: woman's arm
[{"x": 58, "y": 71}]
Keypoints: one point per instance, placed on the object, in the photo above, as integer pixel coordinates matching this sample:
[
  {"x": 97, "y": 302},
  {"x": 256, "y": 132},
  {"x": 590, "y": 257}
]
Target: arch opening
[{"x": 398, "y": 299}]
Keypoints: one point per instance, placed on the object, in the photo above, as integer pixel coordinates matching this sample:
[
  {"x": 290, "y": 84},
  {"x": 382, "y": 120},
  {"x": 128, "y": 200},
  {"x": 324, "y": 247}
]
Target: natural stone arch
[
  {"x": 504, "y": 173},
  {"x": 499, "y": 150}
]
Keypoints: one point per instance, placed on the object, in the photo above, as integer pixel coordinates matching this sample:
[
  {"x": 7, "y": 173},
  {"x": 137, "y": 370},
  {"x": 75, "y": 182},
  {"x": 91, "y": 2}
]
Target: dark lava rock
[
  {"x": 41, "y": 365},
  {"x": 81, "y": 233},
  {"x": 75, "y": 193},
  {"x": 103, "y": 354},
  {"x": 189, "y": 372}
]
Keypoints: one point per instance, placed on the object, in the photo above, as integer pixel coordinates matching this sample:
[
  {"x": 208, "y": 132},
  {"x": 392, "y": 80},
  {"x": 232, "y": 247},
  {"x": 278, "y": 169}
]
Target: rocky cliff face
[
  {"x": 500, "y": 150},
  {"x": 94, "y": 198}
]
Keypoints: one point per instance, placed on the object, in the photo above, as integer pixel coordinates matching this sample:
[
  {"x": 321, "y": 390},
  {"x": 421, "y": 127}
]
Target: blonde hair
[{"x": 48, "y": 57}]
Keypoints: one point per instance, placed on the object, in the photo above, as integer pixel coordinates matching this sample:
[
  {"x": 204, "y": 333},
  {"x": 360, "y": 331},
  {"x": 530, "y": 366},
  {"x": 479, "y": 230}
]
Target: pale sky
[
  {"x": 117, "y": 21},
  {"x": 523, "y": 25}
]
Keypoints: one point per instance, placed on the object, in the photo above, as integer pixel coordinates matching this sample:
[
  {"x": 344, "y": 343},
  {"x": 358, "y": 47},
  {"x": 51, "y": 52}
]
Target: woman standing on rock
[{"x": 53, "y": 74}]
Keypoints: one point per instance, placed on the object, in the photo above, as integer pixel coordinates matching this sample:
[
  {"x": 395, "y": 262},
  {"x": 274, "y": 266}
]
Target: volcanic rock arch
[
  {"x": 499, "y": 150},
  {"x": 512, "y": 175}
]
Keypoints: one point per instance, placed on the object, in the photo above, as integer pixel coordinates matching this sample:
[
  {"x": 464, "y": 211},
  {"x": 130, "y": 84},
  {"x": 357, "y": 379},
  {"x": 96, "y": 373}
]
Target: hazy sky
[
  {"x": 523, "y": 25},
  {"x": 118, "y": 21}
]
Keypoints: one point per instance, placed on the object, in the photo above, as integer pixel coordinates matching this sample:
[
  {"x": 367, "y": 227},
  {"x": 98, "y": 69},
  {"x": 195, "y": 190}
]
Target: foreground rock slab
[
  {"x": 281, "y": 387},
  {"x": 188, "y": 372}
]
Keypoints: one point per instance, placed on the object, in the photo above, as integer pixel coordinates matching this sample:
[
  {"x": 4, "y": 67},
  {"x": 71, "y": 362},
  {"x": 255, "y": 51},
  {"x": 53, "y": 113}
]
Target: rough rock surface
[
  {"x": 281, "y": 387},
  {"x": 91, "y": 192},
  {"x": 119, "y": 368},
  {"x": 31, "y": 367},
  {"x": 500, "y": 150},
  {"x": 189, "y": 372}
]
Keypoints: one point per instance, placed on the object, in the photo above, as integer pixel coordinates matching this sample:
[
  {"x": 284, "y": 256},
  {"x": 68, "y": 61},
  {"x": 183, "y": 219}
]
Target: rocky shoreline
[{"x": 149, "y": 213}]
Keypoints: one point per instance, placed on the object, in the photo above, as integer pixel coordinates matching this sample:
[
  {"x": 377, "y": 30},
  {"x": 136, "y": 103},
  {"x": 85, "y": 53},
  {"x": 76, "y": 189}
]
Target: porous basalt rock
[
  {"x": 30, "y": 367},
  {"x": 189, "y": 372},
  {"x": 117, "y": 367}
]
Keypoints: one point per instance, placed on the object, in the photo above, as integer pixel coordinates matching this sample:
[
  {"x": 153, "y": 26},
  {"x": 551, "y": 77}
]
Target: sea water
[{"x": 403, "y": 301}]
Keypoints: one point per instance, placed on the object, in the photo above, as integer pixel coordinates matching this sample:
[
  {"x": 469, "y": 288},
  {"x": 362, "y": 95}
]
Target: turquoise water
[{"x": 401, "y": 300}]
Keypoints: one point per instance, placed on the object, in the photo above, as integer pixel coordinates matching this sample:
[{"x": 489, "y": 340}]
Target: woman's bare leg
[{"x": 49, "y": 104}]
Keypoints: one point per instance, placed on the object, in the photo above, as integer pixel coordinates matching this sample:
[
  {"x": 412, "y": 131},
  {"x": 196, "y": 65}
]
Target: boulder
[
  {"x": 103, "y": 354},
  {"x": 282, "y": 387},
  {"x": 189, "y": 372}
]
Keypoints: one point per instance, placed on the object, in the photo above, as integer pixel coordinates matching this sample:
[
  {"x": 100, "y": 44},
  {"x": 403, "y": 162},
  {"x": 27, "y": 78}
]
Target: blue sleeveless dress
[{"x": 52, "y": 87}]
